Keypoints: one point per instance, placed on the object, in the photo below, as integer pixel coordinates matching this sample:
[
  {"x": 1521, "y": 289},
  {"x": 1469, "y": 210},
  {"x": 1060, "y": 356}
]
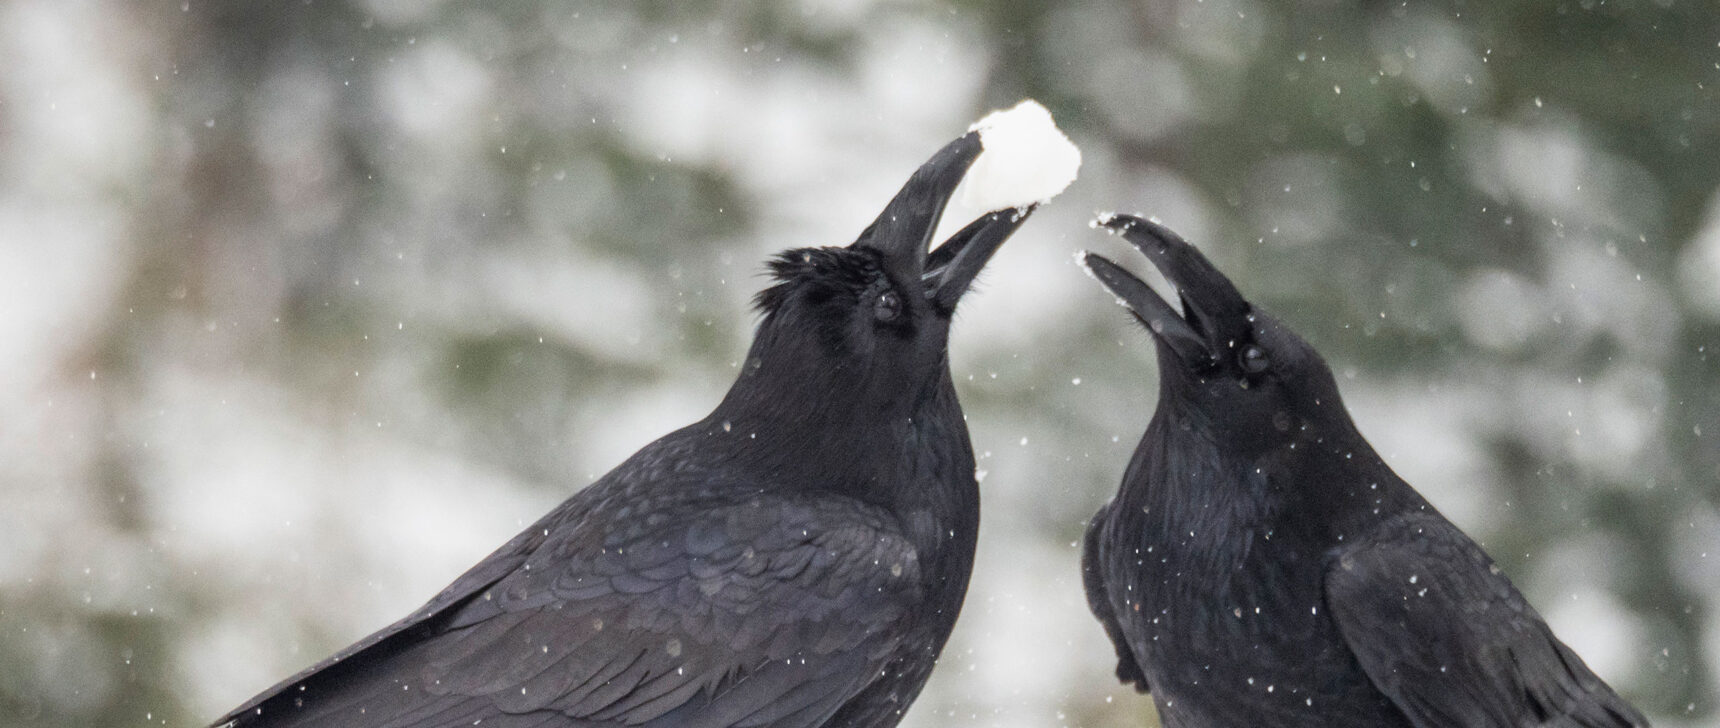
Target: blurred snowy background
[{"x": 306, "y": 306}]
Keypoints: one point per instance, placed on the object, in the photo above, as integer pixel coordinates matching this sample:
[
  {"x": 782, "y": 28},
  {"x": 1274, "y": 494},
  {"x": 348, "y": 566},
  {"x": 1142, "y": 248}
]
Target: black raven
[
  {"x": 1262, "y": 566},
  {"x": 795, "y": 559}
]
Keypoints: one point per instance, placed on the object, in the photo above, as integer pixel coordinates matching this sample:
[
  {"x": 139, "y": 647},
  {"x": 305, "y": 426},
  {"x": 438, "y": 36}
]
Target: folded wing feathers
[{"x": 575, "y": 645}]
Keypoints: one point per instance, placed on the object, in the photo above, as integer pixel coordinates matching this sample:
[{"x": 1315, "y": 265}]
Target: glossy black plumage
[
  {"x": 1262, "y": 566},
  {"x": 795, "y": 559}
]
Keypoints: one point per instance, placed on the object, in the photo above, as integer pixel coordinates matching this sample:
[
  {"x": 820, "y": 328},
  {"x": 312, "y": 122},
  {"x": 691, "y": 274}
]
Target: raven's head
[
  {"x": 867, "y": 326},
  {"x": 1224, "y": 365}
]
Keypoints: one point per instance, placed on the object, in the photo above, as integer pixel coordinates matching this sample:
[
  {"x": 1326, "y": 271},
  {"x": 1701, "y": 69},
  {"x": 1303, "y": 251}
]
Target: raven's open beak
[
  {"x": 952, "y": 268},
  {"x": 1215, "y": 318},
  {"x": 903, "y": 231}
]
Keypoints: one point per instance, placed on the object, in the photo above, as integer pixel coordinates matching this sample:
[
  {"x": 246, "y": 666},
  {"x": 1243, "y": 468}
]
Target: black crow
[
  {"x": 1262, "y": 566},
  {"x": 795, "y": 559}
]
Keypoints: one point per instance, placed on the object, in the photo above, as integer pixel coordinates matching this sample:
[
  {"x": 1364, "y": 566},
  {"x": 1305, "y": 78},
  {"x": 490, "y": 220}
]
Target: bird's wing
[
  {"x": 480, "y": 577},
  {"x": 1099, "y": 600},
  {"x": 1451, "y": 642},
  {"x": 770, "y": 613}
]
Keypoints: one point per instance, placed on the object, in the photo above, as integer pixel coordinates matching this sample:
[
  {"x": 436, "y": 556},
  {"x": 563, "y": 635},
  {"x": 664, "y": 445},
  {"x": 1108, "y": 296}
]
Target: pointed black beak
[
  {"x": 1215, "y": 318},
  {"x": 903, "y": 231},
  {"x": 952, "y": 268}
]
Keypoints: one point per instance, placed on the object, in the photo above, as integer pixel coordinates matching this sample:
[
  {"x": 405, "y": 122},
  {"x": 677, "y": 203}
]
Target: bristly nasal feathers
[{"x": 819, "y": 275}]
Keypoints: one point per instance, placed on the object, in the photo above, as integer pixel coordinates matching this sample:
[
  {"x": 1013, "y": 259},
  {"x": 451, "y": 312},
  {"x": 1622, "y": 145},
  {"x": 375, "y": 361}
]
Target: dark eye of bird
[
  {"x": 888, "y": 306},
  {"x": 1253, "y": 359}
]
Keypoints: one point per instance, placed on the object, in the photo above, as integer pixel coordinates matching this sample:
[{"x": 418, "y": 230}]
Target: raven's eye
[
  {"x": 1253, "y": 359},
  {"x": 888, "y": 306}
]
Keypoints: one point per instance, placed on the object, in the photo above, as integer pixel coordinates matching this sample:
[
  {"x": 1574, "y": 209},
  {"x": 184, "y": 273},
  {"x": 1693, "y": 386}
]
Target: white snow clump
[{"x": 1027, "y": 159}]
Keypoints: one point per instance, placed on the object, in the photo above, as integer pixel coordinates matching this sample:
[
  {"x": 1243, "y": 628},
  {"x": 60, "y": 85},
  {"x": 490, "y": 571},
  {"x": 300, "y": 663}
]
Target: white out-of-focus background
[{"x": 306, "y": 306}]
